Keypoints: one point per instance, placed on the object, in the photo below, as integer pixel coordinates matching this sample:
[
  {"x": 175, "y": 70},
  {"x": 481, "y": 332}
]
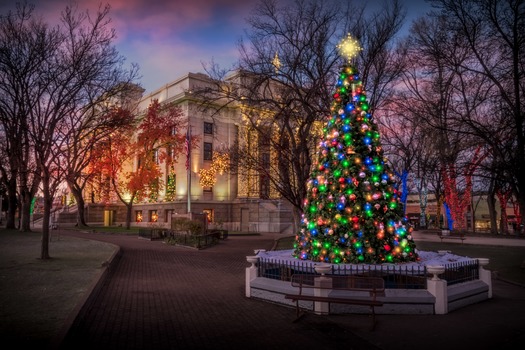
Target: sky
[{"x": 169, "y": 38}]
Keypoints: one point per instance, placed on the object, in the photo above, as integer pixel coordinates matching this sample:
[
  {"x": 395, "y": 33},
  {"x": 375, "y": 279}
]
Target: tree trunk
[
  {"x": 423, "y": 200},
  {"x": 10, "y": 220},
  {"x": 25, "y": 211},
  {"x": 129, "y": 207},
  {"x": 77, "y": 193},
  {"x": 297, "y": 216},
  {"x": 520, "y": 227},
  {"x": 491, "y": 204},
  {"x": 439, "y": 222},
  {"x": 48, "y": 203}
]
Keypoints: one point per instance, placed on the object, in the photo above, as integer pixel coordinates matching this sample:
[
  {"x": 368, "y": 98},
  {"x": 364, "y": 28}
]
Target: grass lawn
[{"x": 507, "y": 262}]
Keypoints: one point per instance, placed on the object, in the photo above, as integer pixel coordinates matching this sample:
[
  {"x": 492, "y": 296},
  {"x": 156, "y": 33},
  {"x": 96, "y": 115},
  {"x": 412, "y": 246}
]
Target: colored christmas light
[{"x": 352, "y": 207}]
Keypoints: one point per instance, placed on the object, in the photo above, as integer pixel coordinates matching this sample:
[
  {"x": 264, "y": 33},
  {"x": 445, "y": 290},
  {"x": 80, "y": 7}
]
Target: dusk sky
[{"x": 168, "y": 39}]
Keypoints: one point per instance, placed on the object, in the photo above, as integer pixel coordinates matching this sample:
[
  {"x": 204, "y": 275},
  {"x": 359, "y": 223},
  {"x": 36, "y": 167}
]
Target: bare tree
[
  {"x": 440, "y": 94},
  {"x": 287, "y": 71},
  {"x": 53, "y": 77},
  {"x": 26, "y": 46},
  {"x": 402, "y": 145},
  {"x": 494, "y": 35}
]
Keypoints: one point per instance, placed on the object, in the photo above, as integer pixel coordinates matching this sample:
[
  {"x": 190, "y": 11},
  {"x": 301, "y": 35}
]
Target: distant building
[{"x": 479, "y": 207}]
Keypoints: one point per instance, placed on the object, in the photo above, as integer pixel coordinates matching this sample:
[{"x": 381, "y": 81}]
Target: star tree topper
[{"x": 349, "y": 47}]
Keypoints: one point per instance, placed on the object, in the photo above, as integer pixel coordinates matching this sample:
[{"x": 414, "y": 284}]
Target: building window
[
  {"x": 153, "y": 216},
  {"x": 208, "y": 128},
  {"x": 208, "y": 151},
  {"x": 138, "y": 216},
  {"x": 209, "y": 214}
]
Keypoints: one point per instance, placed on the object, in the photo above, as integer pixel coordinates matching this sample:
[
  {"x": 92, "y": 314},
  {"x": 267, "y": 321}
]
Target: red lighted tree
[
  {"x": 130, "y": 159},
  {"x": 504, "y": 196},
  {"x": 457, "y": 199}
]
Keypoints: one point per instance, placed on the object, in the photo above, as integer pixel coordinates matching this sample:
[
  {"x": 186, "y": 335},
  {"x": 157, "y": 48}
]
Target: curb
[{"x": 92, "y": 291}]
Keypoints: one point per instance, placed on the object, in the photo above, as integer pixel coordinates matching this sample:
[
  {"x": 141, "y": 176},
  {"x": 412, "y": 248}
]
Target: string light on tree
[
  {"x": 220, "y": 162},
  {"x": 207, "y": 177},
  {"x": 352, "y": 212},
  {"x": 171, "y": 186}
]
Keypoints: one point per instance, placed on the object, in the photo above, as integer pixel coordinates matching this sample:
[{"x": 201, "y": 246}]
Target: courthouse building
[{"x": 243, "y": 201}]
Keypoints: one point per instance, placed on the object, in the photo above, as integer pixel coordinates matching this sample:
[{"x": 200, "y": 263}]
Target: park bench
[
  {"x": 356, "y": 290},
  {"x": 446, "y": 234}
]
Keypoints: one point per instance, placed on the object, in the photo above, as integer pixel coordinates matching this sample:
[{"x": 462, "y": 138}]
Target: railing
[
  {"x": 196, "y": 241},
  {"x": 153, "y": 233},
  {"x": 395, "y": 277},
  {"x": 183, "y": 238},
  {"x": 461, "y": 272}
]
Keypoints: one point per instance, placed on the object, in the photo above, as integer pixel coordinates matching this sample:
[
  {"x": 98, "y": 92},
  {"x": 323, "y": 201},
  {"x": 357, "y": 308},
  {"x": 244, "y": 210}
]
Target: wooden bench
[
  {"x": 364, "y": 291},
  {"x": 451, "y": 235}
]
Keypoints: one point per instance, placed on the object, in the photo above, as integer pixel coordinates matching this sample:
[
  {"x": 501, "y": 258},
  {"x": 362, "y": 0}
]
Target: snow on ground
[{"x": 427, "y": 258}]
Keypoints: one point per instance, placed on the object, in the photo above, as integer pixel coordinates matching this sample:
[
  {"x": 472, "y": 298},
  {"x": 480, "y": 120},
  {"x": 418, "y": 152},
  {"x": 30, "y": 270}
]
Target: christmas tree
[{"x": 352, "y": 212}]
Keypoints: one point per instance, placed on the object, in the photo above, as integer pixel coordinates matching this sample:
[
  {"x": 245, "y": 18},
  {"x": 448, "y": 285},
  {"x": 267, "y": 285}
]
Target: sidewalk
[
  {"x": 431, "y": 236},
  {"x": 164, "y": 297}
]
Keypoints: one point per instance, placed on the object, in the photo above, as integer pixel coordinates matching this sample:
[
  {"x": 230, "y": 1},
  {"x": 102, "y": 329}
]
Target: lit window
[
  {"x": 153, "y": 216},
  {"x": 209, "y": 214}
]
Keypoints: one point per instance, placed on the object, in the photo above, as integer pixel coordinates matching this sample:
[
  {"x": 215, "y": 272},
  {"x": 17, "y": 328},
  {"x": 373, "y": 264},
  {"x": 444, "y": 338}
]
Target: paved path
[
  {"x": 472, "y": 239},
  {"x": 164, "y": 297}
]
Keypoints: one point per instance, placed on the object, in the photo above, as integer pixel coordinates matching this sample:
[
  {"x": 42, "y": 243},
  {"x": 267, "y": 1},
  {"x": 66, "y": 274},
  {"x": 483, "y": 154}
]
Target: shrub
[{"x": 193, "y": 227}]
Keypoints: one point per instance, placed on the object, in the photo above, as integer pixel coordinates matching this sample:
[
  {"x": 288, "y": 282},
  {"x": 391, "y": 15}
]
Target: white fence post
[
  {"x": 485, "y": 275},
  {"x": 251, "y": 273}
]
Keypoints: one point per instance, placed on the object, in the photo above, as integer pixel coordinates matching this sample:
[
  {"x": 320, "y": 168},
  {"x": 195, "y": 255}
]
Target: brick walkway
[{"x": 164, "y": 297}]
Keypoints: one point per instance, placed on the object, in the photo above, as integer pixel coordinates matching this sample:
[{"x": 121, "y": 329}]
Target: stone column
[
  {"x": 485, "y": 275},
  {"x": 438, "y": 288},
  {"x": 322, "y": 286},
  {"x": 251, "y": 273}
]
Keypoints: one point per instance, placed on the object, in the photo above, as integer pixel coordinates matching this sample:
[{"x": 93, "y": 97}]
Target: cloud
[
  {"x": 167, "y": 38},
  {"x": 154, "y": 19},
  {"x": 171, "y": 40},
  {"x": 162, "y": 62}
]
